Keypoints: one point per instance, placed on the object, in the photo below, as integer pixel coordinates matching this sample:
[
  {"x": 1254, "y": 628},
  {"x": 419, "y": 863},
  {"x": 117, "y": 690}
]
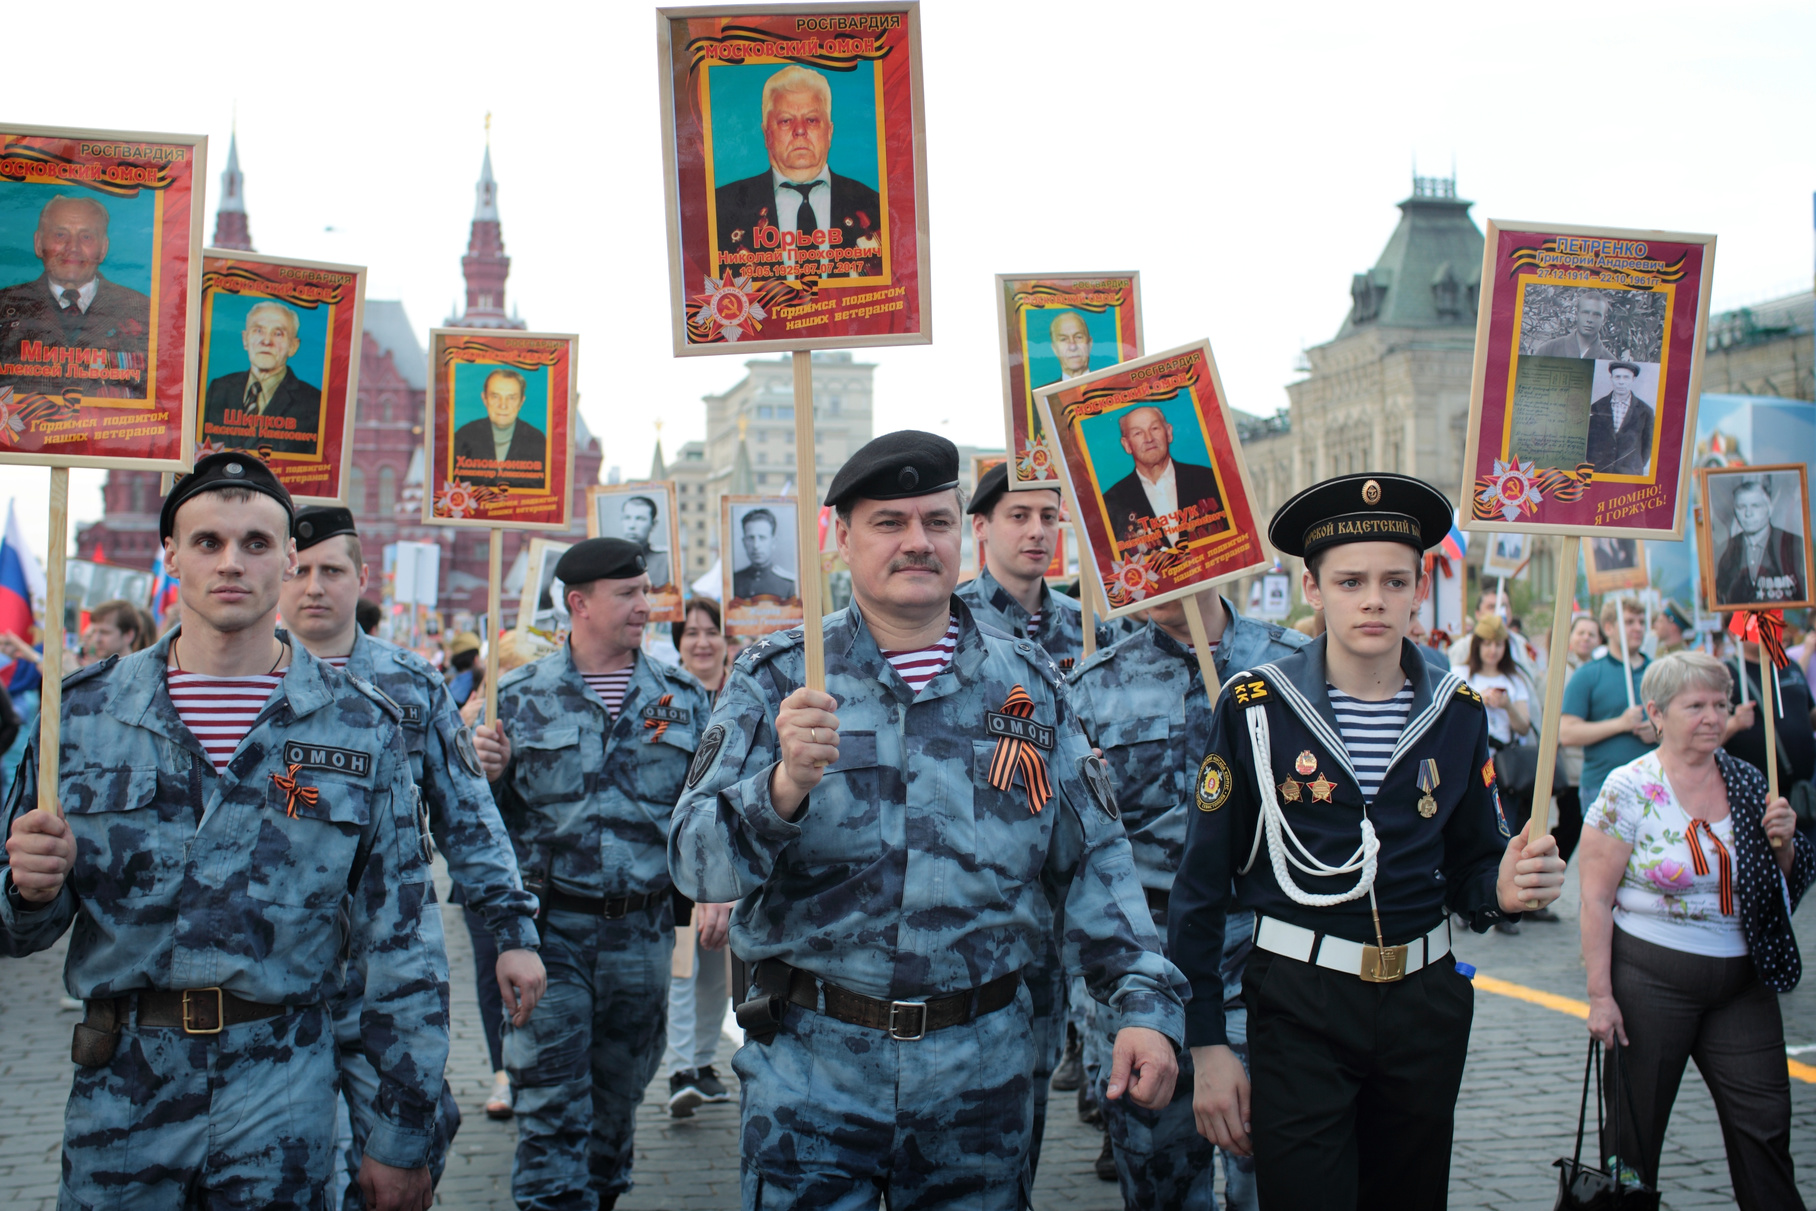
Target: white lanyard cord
[{"x": 1280, "y": 834}]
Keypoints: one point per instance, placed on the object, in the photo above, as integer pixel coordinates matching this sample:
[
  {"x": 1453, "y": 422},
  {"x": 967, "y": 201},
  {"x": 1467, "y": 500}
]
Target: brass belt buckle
[
  {"x": 903, "y": 1033},
  {"x": 220, "y": 1011},
  {"x": 1383, "y": 964}
]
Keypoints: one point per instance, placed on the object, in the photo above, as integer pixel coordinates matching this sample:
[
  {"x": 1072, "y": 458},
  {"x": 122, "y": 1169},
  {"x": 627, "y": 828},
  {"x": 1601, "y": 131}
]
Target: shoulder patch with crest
[
  {"x": 1097, "y": 780},
  {"x": 1214, "y": 782},
  {"x": 710, "y": 744},
  {"x": 469, "y": 756}
]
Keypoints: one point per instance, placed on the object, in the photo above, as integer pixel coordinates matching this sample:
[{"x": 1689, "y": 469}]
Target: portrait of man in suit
[
  {"x": 72, "y": 305},
  {"x": 266, "y": 405},
  {"x": 637, "y": 523},
  {"x": 1760, "y": 563},
  {"x": 1159, "y": 486},
  {"x": 1620, "y": 426},
  {"x": 1613, "y": 554},
  {"x": 500, "y": 449},
  {"x": 799, "y": 194},
  {"x": 758, "y": 576},
  {"x": 1585, "y": 339}
]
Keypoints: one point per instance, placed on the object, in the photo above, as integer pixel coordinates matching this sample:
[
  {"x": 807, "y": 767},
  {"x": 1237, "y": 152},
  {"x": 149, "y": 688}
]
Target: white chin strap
[{"x": 1280, "y": 836}]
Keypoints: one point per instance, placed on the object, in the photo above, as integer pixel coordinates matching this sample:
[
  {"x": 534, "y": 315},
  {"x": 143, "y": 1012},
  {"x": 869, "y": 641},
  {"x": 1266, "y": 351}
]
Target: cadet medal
[
  {"x": 1306, "y": 764},
  {"x": 1428, "y": 782}
]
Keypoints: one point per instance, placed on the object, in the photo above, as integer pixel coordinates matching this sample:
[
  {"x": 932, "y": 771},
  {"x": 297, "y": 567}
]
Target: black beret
[
  {"x": 231, "y": 469},
  {"x": 1374, "y": 506},
  {"x": 896, "y": 466},
  {"x": 318, "y": 523},
  {"x": 991, "y": 487},
  {"x": 1627, "y": 366},
  {"x": 599, "y": 559}
]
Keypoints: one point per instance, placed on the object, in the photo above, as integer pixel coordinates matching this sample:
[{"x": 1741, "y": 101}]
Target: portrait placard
[
  {"x": 543, "y": 605},
  {"x": 1588, "y": 369},
  {"x": 795, "y": 176},
  {"x": 1053, "y": 327},
  {"x": 1506, "y": 555},
  {"x": 499, "y": 442},
  {"x": 644, "y": 513},
  {"x": 1753, "y": 537},
  {"x": 100, "y": 269},
  {"x": 1150, "y": 452},
  {"x": 280, "y": 366},
  {"x": 1613, "y": 564},
  {"x": 981, "y": 465},
  {"x": 761, "y": 565}
]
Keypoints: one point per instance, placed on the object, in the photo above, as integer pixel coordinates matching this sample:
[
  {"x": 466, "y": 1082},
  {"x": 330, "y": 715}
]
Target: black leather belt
[
  {"x": 612, "y": 908},
  {"x": 1157, "y": 898},
  {"x": 903, "y": 1020},
  {"x": 191, "y": 1010}
]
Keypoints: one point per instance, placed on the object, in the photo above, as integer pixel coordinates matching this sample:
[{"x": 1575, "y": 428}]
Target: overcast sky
[{"x": 1245, "y": 158}]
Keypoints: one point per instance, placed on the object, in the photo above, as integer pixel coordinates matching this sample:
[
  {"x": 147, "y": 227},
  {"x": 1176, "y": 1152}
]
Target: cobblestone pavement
[{"x": 1516, "y": 1115}]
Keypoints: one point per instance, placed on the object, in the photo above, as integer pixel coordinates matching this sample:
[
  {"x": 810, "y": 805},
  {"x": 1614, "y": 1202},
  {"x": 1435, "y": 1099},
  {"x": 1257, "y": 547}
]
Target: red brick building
[{"x": 385, "y": 487}]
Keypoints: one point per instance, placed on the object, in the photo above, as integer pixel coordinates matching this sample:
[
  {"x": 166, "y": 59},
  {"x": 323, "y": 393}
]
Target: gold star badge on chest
[
  {"x": 1321, "y": 789},
  {"x": 1290, "y": 791}
]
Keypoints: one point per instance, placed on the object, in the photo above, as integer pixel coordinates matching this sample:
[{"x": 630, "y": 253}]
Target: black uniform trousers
[{"x": 1354, "y": 1085}]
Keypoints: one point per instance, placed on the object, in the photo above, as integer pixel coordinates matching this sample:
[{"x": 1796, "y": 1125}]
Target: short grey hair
[
  {"x": 795, "y": 79},
  {"x": 296, "y": 321},
  {"x": 65, "y": 199},
  {"x": 1669, "y": 676}
]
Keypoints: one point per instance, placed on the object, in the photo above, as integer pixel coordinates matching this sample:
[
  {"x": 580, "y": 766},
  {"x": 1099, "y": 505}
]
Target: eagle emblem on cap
[{"x": 1371, "y": 493}]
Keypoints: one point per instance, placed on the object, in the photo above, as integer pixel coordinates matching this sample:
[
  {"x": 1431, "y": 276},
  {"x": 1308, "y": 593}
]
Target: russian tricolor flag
[
  {"x": 163, "y": 588},
  {"x": 21, "y": 583},
  {"x": 1455, "y": 543}
]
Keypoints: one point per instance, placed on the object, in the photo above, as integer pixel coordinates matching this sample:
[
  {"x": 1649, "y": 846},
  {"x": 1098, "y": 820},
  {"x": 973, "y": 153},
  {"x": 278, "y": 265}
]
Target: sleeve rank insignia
[
  {"x": 1249, "y": 692},
  {"x": 1463, "y": 691}
]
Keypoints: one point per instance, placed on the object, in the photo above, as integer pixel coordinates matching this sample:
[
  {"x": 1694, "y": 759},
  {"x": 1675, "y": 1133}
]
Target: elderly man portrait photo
[
  {"x": 799, "y": 193},
  {"x": 1585, "y": 338},
  {"x": 1620, "y": 426},
  {"x": 1760, "y": 563},
  {"x": 266, "y": 405},
  {"x": 637, "y": 523},
  {"x": 72, "y": 305},
  {"x": 1159, "y": 485},
  {"x": 758, "y": 575},
  {"x": 1071, "y": 344},
  {"x": 501, "y": 449}
]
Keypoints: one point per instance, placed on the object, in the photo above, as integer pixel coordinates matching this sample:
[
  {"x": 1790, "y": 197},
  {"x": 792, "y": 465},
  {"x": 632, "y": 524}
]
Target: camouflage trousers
[
  {"x": 1162, "y": 1163},
  {"x": 581, "y": 1063},
  {"x": 836, "y": 1117},
  {"x": 243, "y": 1118}
]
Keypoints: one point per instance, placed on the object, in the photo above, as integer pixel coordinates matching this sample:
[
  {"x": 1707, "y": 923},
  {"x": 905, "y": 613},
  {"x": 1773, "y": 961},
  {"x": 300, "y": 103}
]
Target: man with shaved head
[
  {"x": 1147, "y": 503},
  {"x": 265, "y": 406},
  {"x": 71, "y": 307}
]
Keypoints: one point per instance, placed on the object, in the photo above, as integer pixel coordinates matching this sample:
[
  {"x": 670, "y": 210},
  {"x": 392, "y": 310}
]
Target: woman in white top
[
  {"x": 1685, "y": 907},
  {"x": 1493, "y": 674}
]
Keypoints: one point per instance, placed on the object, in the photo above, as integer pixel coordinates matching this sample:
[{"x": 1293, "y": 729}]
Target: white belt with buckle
[{"x": 1374, "y": 964}]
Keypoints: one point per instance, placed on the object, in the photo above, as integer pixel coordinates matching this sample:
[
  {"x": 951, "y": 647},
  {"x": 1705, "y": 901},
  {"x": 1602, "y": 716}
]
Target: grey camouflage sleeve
[
  {"x": 27, "y": 928},
  {"x": 470, "y": 832}
]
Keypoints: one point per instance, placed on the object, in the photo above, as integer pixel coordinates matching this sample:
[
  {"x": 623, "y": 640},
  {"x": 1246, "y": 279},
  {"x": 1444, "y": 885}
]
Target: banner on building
[
  {"x": 280, "y": 366},
  {"x": 795, "y": 176},
  {"x": 1753, "y": 537},
  {"x": 100, "y": 268},
  {"x": 761, "y": 565},
  {"x": 1054, "y": 327},
  {"x": 498, "y": 445},
  {"x": 644, "y": 513},
  {"x": 1150, "y": 452},
  {"x": 1588, "y": 365}
]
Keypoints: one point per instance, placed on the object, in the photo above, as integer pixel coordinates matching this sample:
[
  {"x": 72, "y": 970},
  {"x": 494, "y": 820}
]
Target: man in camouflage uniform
[
  {"x": 596, "y": 743},
  {"x": 1143, "y": 703},
  {"x": 955, "y": 808},
  {"x": 213, "y": 895},
  {"x": 318, "y": 606}
]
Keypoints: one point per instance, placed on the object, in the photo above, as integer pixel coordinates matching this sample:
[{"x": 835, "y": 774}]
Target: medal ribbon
[
  {"x": 661, "y": 725},
  {"x": 1428, "y": 775},
  {"x": 1014, "y": 755},
  {"x": 1700, "y": 863},
  {"x": 294, "y": 794}
]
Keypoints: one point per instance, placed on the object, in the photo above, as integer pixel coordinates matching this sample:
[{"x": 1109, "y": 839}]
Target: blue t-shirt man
[{"x": 1596, "y": 716}]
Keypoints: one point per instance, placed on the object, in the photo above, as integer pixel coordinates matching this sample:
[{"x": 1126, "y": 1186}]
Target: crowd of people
[{"x": 976, "y": 864}]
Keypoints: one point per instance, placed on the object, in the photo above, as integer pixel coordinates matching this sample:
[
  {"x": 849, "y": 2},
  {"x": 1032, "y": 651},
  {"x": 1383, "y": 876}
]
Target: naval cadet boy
[
  {"x": 1016, "y": 534},
  {"x": 596, "y": 742},
  {"x": 237, "y": 816},
  {"x": 1349, "y": 792},
  {"x": 1142, "y": 702},
  {"x": 318, "y": 608},
  {"x": 899, "y": 846}
]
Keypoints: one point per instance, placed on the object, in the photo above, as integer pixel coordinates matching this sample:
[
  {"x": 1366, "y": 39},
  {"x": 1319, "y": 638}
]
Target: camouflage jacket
[
  {"x": 266, "y": 893},
  {"x": 1062, "y": 620},
  {"x": 589, "y": 798},
  {"x": 907, "y": 873},
  {"x": 462, "y": 815},
  {"x": 1142, "y": 702}
]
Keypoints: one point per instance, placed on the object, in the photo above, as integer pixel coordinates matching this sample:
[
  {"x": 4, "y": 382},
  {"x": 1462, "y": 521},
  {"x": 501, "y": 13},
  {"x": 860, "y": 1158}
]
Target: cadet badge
[
  {"x": 1321, "y": 789},
  {"x": 1290, "y": 791},
  {"x": 1019, "y": 741},
  {"x": 1428, "y": 782},
  {"x": 1213, "y": 783},
  {"x": 1306, "y": 764}
]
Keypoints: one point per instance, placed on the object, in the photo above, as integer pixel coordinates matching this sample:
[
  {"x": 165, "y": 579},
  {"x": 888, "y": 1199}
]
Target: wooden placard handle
[
  {"x": 494, "y": 593},
  {"x": 1555, "y": 676},
  {"x": 1768, "y": 702},
  {"x": 807, "y": 522},
  {"x": 1201, "y": 641},
  {"x": 50, "y": 698},
  {"x": 1087, "y": 600}
]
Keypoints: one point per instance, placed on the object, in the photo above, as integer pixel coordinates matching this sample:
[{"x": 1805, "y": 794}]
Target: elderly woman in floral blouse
[{"x": 1688, "y": 878}]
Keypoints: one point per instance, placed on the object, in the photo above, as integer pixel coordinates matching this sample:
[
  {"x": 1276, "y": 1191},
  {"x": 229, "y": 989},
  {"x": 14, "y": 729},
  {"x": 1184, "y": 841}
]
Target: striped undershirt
[
  {"x": 339, "y": 662},
  {"x": 1034, "y": 625},
  {"x": 1370, "y": 730},
  {"x": 921, "y": 665},
  {"x": 220, "y": 710},
  {"x": 611, "y": 686}
]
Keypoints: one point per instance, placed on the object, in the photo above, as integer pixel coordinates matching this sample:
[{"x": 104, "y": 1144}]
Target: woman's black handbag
[{"x": 1581, "y": 1187}]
